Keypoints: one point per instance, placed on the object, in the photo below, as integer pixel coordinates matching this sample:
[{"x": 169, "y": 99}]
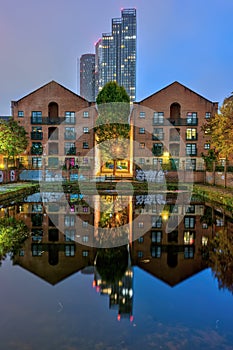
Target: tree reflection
[
  {"x": 112, "y": 263},
  {"x": 219, "y": 254},
  {"x": 12, "y": 235}
]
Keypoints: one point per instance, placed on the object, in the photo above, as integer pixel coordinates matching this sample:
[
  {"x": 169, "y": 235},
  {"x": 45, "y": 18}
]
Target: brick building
[{"x": 59, "y": 124}]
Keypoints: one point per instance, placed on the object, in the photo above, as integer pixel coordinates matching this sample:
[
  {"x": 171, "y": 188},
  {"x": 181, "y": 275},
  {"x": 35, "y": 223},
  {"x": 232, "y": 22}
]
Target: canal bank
[
  {"x": 15, "y": 191},
  {"x": 215, "y": 194}
]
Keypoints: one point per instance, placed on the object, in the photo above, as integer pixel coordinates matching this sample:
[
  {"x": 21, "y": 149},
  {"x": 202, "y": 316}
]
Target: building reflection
[{"x": 164, "y": 235}]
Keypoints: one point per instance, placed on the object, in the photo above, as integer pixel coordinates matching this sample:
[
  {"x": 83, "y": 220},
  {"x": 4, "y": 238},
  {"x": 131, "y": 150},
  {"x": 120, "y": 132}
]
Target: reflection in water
[
  {"x": 63, "y": 240},
  {"x": 66, "y": 239}
]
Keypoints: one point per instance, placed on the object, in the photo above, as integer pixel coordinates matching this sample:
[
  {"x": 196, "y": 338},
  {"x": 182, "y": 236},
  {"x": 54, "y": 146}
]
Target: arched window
[
  {"x": 53, "y": 112},
  {"x": 175, "y": 111}
]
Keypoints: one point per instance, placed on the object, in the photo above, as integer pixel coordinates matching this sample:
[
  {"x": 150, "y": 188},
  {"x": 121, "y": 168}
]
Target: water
[{"x": 152, "y": 296}]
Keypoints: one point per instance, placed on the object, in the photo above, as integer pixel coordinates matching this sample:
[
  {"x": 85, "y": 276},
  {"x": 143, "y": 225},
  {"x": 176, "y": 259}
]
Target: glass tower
[{"x": 87, "y": 77}]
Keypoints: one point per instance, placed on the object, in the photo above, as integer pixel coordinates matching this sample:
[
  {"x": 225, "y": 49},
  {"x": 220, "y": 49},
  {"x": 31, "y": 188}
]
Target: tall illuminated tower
[
  {"x": 116, "y": 52},
  {"x": 87, "y": 77}
]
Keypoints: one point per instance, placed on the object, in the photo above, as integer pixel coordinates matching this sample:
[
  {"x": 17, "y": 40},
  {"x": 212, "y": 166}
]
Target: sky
[{"x": 190, "y": 41}]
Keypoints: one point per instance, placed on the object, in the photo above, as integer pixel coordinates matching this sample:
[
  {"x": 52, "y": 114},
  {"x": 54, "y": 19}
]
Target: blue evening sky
[{"x": 190, "y": 41}]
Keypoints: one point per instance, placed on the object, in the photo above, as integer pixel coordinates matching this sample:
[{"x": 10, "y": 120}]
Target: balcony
[
  {"x": 48, "y": 120},
  {"x": 36, "y": 135},
  {"x": 183, "y": 121}
]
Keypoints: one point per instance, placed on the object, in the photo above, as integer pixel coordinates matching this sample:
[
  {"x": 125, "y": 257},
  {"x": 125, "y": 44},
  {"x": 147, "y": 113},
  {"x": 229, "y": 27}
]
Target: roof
[
  {"x": 49, "y": 83},
  {"x": 175, "y": 83}
]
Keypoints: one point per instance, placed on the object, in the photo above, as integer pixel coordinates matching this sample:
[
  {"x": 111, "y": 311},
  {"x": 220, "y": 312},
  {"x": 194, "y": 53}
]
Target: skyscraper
[
  {"x": 87, "y": 77},
  {"x": 116, "y": 53},
  {"x": 115, "y": 58}
]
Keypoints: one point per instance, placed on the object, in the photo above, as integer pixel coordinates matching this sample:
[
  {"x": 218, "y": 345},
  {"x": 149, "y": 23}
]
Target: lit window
[
  {"x": 204, "y": 240},
  {"x": 191, "y": 134},
  {"x": 188, "y": 237}
]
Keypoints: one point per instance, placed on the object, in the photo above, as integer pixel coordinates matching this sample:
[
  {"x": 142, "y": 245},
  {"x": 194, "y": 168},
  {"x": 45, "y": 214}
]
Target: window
[
  {"x": 70, "y": 117},
  {"x": 142, "y": 145},
  {"x": 69, "y": 235},
  {"x": 156, "y": 252},
  {"x": 36, "y": 133},
  {"x": 140, "y": 240},
  {"x": 157, "y": 149},
  {"x": 204, "y": 225},
  {"x": 191, "y": 134},
  {"x": 158, "y": 134},
  {"x": 157, "y": 161},
  {"x": 36, "y": 162},
  {"x": 158, "y": 118},
  {"x": 189, "y": 222},
  {"x": 156, "y": 236},
  {"x": 140, "y": 254},
  {"x": 85, "y": 209},
  {"x": 85, "y": 253},
  {"x": 69, "y": 250},
  {"x": 207, "y": 115},
  {"x": 85, "y": 160},
  {"x": 156, "y": 221},
  {"x": 204, "y": 240},
  {"x": 85, "y": 145},
  {"x": 36, "y": 148},
  {"x": 142, "y": 114},
  {"x": 36, "y": 117},
  {"x": 190, "y": 164},
  {"x": 70, "y": 148},
  {"x": 207, "y": 146},
  {"x": 191, "y": 209},
  {"x": 85, "y": 223},
  {"x": 85, "y": 130},
  {"x": 141, "y": 160},
  {"x": 85, "y": 114},
  {"x": 188, "y": 252},
  {"x": 85, "y": 239},
  {"x": 141, "y": 224},
  {"x": 69, "y": 220},
  {"x": 20, "y": 114},
  {"x": 191, "y": 149},
  {"x": 141, "y": 130},
  {"x": 69, "y": 133},
  {"x": 191, "y": 118},
  {"x": 36, "y": 249},
  {"x": 188, "y": 237}
]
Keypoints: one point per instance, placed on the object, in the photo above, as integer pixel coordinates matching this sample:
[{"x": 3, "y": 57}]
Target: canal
[{"x": 113, "y": 271}]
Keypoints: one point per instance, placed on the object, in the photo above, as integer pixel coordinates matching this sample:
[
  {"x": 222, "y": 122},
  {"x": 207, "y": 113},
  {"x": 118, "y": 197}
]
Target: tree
[
  {"x": 13, "y": 139},
  {"x": 112, "y": 125},
  {"x": 220, "y": 129},
  {"x": 12, "y": 235}
]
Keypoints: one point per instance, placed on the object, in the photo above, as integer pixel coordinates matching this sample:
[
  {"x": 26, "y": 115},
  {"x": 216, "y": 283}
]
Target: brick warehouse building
[{"x": 166, "y": 128}]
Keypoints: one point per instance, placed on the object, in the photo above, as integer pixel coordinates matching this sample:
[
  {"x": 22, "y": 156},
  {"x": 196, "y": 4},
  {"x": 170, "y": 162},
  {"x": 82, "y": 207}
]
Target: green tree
[
  {"x": 12, "y": 235},
  {"x": 13, "y": 139},
  {"x": 112, "y": 125}
]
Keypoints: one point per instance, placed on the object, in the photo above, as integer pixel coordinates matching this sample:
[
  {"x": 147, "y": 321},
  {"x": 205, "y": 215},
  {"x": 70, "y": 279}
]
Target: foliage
[
  {"x": 210, "y": 158},
  {"x": 12, "y": 235},
  {"x": 220, "y": 127},
  {"x": 219, "y": 254},
  {"x": 13, "y": 139},
  {"x": 112, "y": 125},
  {"x": 112, "y": 263}
]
